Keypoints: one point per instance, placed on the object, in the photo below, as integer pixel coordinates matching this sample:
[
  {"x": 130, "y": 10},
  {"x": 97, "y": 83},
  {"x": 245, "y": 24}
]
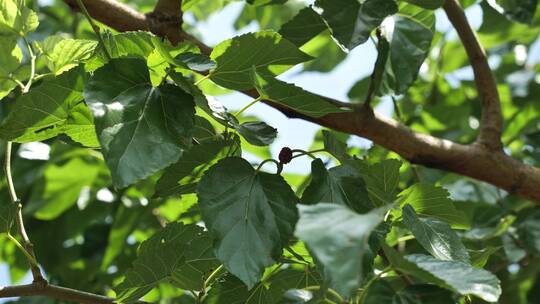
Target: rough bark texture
[{"x": 484, "y": 160}]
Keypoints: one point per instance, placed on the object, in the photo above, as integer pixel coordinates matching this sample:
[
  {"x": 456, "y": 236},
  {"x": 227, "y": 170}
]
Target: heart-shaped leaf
[
  {"x": 142, "y": 129},
  {"x": 250, "y": 214}
]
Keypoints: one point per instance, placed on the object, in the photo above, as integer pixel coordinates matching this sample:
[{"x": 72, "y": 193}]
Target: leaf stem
[
  {"x": 213, "y": 276},
  {"x": 28, "y": 256},
  {"x": 18, "y": 82},
  {"x": 32, "y": 57},
  {"x": 309, "y": 153},
  {"x": 94, "y": 27},
  {"x": 201, "y": 80},
  {"x": 278, "y": 164},
  {"x": 248, "y": 106},
  {"x": 370, "y": 282}
]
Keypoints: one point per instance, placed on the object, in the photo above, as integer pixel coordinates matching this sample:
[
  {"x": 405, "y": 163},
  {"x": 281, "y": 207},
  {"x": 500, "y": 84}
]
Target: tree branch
[
  {"x": 55, "y": 292},
  {"x": 476, "y": 161},
  {"x": 491, "y": 123}
]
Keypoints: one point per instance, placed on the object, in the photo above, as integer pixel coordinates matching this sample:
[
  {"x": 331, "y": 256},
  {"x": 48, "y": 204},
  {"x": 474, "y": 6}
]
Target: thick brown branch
[
  {"x": 489, "y": 165},
  {"x": 55, "y": 292},
  {"x": 492, "y": 121}
]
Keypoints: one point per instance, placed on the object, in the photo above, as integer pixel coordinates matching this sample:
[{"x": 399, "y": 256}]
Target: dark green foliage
[{"x": 141, "y": 188}]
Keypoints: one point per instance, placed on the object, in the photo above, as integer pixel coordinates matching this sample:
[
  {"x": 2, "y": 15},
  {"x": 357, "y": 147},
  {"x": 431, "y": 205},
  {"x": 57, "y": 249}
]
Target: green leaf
[
  {"x": 250, "y": 214},
  {"x": 179, "y": 254},
  {"x": 8, "y": 212},
  {"x": 16, "y": 18},
  {"x": 63, "y": 186},
  {"x": 196, "y": 158},
  {"x": 10, "y": 64},
  {"x": 303, "y": 27},
  {"x": 265, "y": 50},
  {"x": 453, "y": 275},
  {"x": 230, "y": 290},
  {"x": 54, "y": 107},
  {"x": 335, "y": 146},
  {"x": 122, "y": 45},
  {"x": 433, "y": 201},
  {"x": 517, "y": 10},
  {"x": 338, "y": 237},
  {"x": 382, "y": 292},
  {"x": 125, "y": 221},
  {"x": 435, "y": 236},
  {"x": 429, "y": 4},
  {"x": 257, "y": 133},
  {"x": 340, "y": 185},
  {"x": 292, "y": 96},
  {"x": 409, "y": 34},
  {"x": 142, "y": 129},
  {"x": 382, "y": 179},
  {"x": 459, "y": 277},
  {"x": 351, "y": 22},
  {"x": 196, "y": 62},
  {"x": 479, "y": 258},
  {"x": 528, "y": 225},
  {"x": 62, "y": 54}
]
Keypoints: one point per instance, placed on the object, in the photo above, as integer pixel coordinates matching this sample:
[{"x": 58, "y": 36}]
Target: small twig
[
  {"x": 32, "y": 57},
  {"x": 20, "y": 246},
  {"x": 28, "y": 246},
  {"x": 208, "y": 282},
  {"x": 94, "y": 27},
  {"x": 377, "y": 72}
]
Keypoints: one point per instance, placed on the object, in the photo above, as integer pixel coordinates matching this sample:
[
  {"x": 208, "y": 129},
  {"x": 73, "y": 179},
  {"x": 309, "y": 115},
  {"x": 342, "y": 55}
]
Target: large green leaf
[
  {"x": 16, "y": 18},
  {"x": 303, "y": 27},
  {"x": 338, "y": 237},
  {"x": 409, "y": 34},
  {"x": 179, "y": 254},
  {"x": 250, "y": 214},
  {"x": 453, "y": 275},
  {"x": 340, "y": 185},
  {"x": 7, "y": 216},
  {"x": 63, "y": 186},
  {"x": 432, "y": 201},
  {"x": 62, "y": 54},
  {"x": 435, "y": 236},
  {"x": 292, "y": 96},
  {"x": 351, "y": 22},
  {"x": 517, "y": 10},
  {"x": 266, "y": 51},
  {"x": 142, "y": 129},
  {"x": 54, "y": 107},
  {"x": 10, "y": 64}
]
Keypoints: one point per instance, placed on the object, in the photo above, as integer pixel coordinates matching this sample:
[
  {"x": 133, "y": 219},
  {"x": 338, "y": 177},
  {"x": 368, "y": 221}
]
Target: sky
[{"x": 295, "y": 133}]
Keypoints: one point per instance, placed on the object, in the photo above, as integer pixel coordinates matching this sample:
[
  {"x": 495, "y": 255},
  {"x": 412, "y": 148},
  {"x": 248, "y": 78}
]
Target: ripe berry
[{"x": 285, "y": 155}]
